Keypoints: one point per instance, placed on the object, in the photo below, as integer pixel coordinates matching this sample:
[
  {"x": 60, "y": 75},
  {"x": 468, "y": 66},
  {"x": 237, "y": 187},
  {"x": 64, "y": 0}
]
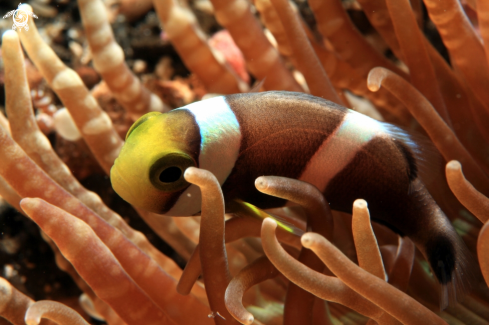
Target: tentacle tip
[
  {"x": 26, "y": 7},
  {"x": 10, "y": 35},
  {"x": 269, "y": 222},
  {"x": 261, "y": 183},
  {"x": 88, "y": 306},
  {"x": 184, "y": 291},
  {"x": 307, "y": 240},
  {"x": 360, "y": 204},
  {"x": 189, "y": 173},
  {"x": 454, "y": 165},
  {"x": 375, "y": 77},
  {"x": 249, "y": 320},
  {"x": 29, "y": 203}
]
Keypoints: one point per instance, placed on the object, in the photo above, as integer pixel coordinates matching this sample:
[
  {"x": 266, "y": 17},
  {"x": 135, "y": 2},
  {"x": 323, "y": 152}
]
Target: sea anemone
[{"x": 265, "y": 267}]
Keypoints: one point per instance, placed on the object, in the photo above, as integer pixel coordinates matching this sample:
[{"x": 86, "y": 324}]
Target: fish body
[{"x": 346, "y": 155}]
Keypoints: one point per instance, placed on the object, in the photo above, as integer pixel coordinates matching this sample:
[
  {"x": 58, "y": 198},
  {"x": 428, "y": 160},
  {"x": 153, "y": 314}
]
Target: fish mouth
[{"x": 120, "y": 186}]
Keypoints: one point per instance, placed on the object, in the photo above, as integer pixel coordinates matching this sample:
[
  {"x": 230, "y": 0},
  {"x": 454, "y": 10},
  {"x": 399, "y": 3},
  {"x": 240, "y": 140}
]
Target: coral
[{"x": 301, "y": 264}]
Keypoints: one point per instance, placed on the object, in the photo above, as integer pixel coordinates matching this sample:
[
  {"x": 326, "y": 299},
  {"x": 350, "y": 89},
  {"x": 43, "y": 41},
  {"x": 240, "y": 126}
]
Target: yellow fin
[{"x": 240, "y": 207}]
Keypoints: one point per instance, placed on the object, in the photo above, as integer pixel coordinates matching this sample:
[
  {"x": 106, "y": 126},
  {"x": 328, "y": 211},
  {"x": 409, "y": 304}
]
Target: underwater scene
[{"x": 244, "y": 162}]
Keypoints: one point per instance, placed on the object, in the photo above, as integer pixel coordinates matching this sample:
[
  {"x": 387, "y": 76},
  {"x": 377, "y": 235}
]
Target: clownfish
[{"x": 240, "y": 137}]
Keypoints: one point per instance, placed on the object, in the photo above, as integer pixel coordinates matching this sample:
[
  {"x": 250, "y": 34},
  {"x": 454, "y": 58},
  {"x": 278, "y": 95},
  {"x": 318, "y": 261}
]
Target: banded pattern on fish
[{"x": 346, "y": 155}]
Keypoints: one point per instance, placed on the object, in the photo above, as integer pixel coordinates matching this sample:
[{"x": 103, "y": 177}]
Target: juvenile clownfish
[{"x": 346, "y": 155}]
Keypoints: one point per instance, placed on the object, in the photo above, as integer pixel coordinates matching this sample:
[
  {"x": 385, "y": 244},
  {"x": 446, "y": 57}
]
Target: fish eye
[
  {"x": 166, "y": 173},
  {"x": 140, "y": 121},
  {"x": 170, "y": 175}
]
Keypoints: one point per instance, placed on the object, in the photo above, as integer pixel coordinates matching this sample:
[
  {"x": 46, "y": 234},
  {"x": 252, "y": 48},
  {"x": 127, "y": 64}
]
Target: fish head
[{"x": 148, "y": 172}]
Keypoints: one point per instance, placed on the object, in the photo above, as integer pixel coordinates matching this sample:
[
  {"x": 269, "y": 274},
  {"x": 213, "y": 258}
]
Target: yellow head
[{"x": 159, "y": 148}]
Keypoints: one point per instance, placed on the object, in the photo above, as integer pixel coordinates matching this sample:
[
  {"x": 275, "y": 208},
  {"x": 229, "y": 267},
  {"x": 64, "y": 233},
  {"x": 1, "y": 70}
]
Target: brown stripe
[
  {"x": 188, "y": 134},
  {"x": 379, "y": 174},
  {"x": 187, "y": 130},
  {"x": 280, "y": 133}
]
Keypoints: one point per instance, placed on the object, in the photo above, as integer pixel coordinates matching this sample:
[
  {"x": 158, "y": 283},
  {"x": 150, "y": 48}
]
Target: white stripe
[
  {"x": 219, "y": 148},
  {"x": 338, "y": 150}
]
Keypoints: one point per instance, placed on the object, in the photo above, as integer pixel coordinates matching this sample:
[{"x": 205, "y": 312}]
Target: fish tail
[
  {"x": 452, "y": 264},
  {"x": 450, "y": 260}
]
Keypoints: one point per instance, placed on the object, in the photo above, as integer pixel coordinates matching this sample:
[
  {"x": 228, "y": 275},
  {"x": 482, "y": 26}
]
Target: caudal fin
[{"x": 453, "y": 265}]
